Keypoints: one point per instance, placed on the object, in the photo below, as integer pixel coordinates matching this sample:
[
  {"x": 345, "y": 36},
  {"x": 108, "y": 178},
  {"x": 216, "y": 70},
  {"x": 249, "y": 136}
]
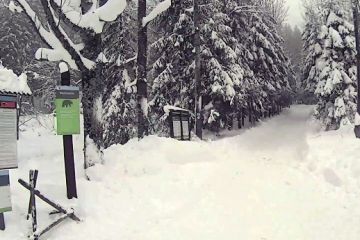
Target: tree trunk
[
  {"x": 93, "y": 86},
  {"x": 357, "y": 37},
  {"x": 92, "y": 126},
  {"x": 250, "y": 112},
  {"x": 141, "y": 84},
  {"x": 197, "y": 92},
  {"x": 19, "y": 100},
  {"x": 239, "y": 119}
]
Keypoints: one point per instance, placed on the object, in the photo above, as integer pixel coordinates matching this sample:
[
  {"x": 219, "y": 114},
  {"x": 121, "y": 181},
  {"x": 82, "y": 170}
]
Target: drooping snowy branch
[
  {"x": 61, "y": 47},
  {"x": 160, "y": 8},
  {"x": 95, "y": 18}
]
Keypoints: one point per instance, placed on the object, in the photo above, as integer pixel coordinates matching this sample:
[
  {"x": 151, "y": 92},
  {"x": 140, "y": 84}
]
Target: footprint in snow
[{"x": 332, "y": 178}]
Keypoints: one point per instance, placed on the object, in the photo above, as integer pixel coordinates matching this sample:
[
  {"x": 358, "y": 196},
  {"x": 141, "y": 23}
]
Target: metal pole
[
  {"x": 68, "y": 147},
  {"x": 197, "y": 92}
]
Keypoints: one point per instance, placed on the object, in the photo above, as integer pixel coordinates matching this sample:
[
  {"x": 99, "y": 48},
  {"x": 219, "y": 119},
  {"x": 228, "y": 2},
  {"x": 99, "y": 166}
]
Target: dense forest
[{"x": 227, "y": 62}]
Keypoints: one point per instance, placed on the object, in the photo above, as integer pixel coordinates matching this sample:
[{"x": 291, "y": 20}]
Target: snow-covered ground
[{"x": 281, "y": 180}]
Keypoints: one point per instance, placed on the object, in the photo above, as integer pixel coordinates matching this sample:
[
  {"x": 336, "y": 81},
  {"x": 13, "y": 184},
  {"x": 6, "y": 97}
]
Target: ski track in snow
[{"x": 278, "y": 181}]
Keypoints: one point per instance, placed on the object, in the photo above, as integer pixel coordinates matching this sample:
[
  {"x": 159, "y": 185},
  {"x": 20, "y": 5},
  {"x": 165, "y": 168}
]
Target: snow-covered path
[
  {"x": 281, "y": 180},
  {"x": 284, "y": 134}
]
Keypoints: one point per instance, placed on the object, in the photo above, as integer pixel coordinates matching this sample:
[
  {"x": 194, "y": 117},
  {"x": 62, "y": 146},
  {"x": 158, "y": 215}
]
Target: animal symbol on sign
[{"x": 67, "y": 103}]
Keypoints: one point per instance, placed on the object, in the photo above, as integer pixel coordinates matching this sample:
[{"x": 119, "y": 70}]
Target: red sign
[{"x": 7, "y": 104}]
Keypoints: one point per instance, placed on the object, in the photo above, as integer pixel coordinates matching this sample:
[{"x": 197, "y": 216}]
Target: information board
[
  {"x": 8, "y": 128},
  {"x": 67, "y": 105},
  {"x": 177, "y": 127},
  {"x": 180, "y": 125},
  {"x": 5, "y": 196}
]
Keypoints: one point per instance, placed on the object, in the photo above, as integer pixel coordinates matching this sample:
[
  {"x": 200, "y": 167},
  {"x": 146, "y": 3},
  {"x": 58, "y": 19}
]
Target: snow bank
[
  {"x": 11, "y": 83},
  {"x": 257, "y": 185}
]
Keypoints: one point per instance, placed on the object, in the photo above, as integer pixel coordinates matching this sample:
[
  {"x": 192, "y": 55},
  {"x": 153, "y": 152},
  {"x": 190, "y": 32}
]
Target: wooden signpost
[{"x": 68, "y": 122}]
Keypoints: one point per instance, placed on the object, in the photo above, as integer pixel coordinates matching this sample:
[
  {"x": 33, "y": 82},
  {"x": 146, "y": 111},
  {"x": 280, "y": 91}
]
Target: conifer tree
[
  {"x": 243, "y": 65},
  {"x": 335, "y": 69},
  {"x": 311, "y": 47},
  {"x": 263, "y": 53},
  {"x": 119, "y": 97},
  {"x": 173, "y": 67}
]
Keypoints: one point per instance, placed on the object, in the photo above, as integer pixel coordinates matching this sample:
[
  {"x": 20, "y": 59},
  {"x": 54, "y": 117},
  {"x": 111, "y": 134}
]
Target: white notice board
[
  {"x": 177, "y": 128},
  {"x": 8, "y": 141},
  {"x": 5, "y": 197}
]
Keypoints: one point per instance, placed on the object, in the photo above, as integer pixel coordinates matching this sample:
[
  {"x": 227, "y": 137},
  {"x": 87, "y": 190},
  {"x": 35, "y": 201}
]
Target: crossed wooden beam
[{"x": 31, "y": 186}]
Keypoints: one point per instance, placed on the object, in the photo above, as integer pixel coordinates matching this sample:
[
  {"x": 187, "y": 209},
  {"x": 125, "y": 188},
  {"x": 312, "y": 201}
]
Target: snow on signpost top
[{"x": 11, "y": 83}]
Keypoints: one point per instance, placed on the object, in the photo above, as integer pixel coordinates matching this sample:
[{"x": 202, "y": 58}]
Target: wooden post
[
  {"x": 18, "y": 114},
  {"x": 239, "y": 119},
  {"x": 59, "y": 210},
  {"x": 32, "y": 180},
  {"x": 355, "y": 5},
  {"x": 68, "y": 145},
  {"x": 242, "y": 116},
  {"x": 2, "y": 222},
  {"x": 197, "y": 92},
  {"x": 32, "y": 202},
  {"x": 46, "y": 200},
  {"x": 141, "y": 83}
]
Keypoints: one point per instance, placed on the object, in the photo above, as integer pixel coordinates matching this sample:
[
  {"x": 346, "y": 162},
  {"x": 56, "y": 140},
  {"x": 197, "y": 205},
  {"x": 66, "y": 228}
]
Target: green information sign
[{"x": 67, "y": 110}]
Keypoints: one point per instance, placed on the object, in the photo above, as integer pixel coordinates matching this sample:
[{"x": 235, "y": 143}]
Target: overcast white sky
[{"x": 295, "y": 13}]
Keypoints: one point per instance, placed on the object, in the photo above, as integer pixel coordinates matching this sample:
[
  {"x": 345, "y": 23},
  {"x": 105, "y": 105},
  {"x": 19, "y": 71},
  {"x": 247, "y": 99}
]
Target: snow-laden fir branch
[
  {"x": 57, "y": 51},
  {"x": 61, "y": 46},
  {"x": 96, "y": 17},
  {"x": 160, "y": 8}
]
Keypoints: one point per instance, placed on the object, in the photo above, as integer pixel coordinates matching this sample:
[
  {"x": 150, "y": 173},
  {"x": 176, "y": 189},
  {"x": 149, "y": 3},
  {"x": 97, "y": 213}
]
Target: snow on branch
[
  {"x": 160, "y": 8},
  {"x": 57, "y": 53},
  {"x": 13, "y": 8},
  {"x": 57, "y": 50},
  {"x": 96, "y": 17}
]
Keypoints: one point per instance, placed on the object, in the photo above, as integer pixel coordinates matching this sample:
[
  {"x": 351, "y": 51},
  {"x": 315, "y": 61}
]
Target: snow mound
[
  {"x": 10, "y": 82},
  {"x": 250, "y": 186}
]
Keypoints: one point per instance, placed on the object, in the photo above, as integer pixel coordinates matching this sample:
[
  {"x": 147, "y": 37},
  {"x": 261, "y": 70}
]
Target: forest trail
[
  {"x": 276, "y": 181},
  {"x": 283, "y": 136}
]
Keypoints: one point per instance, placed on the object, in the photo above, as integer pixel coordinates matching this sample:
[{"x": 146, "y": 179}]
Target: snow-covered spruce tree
[
  {"x": 119, "y": 98},
  {"x": 222, "y": 70},
  {"x": 293, "y": 45},
  {"x": 311, "y": 47},
  {"x": 243, "y": 64},
  {"x": 173, "y": 66},
  {"x": 263, "y": 53},
  {"x": 335, "y": 69},
  {"x": 222, "y": 73},
  {"x": 17, "y": 42},
  {"x": 251, "y": 86}
]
